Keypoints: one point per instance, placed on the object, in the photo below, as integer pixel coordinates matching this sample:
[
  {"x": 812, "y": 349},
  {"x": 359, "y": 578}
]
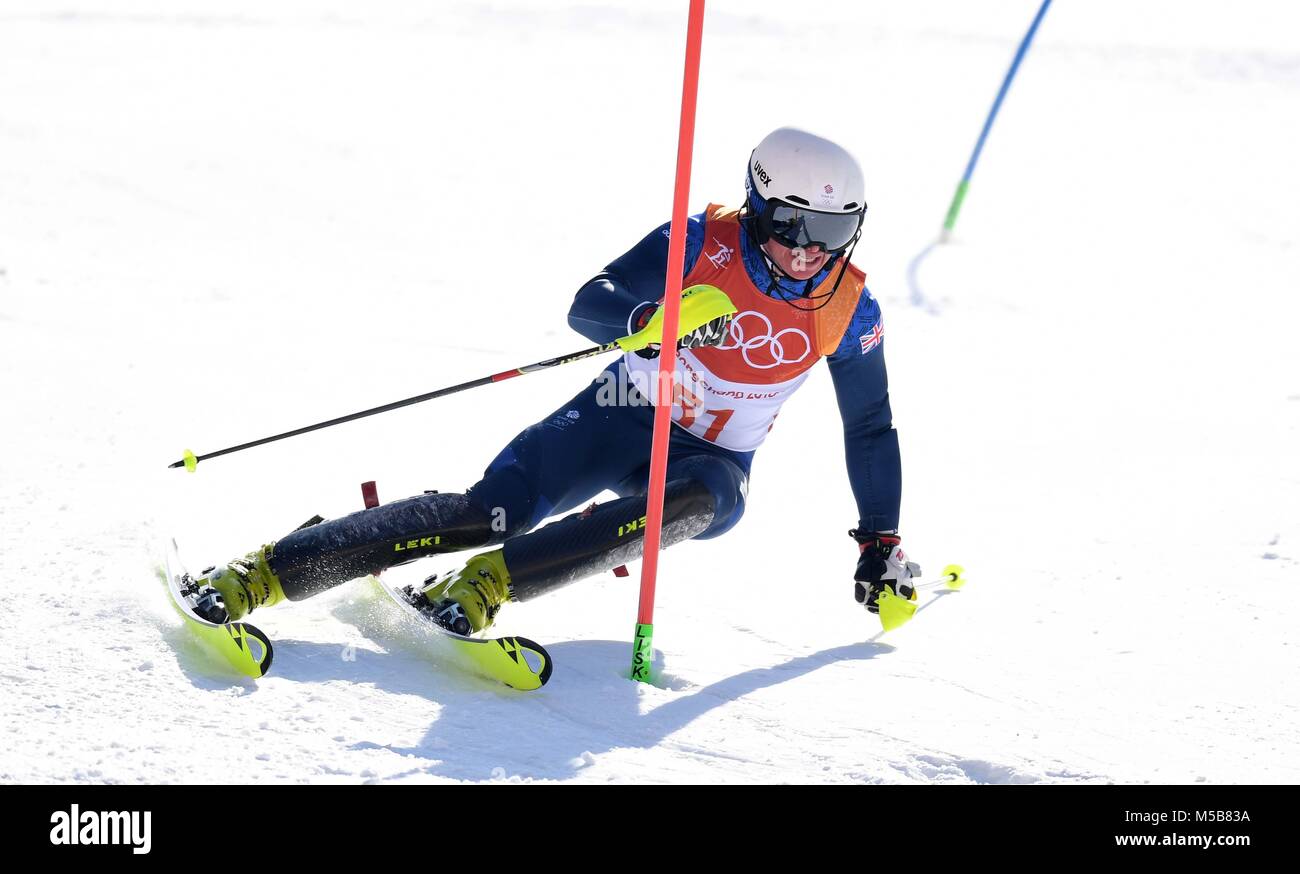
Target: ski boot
[
  {"x": 231, "y": 591},
  {"x": 466, "y": 601}
]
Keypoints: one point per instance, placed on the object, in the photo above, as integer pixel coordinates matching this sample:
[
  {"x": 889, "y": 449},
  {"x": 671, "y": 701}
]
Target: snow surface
[{"x": 220, "y": 220}]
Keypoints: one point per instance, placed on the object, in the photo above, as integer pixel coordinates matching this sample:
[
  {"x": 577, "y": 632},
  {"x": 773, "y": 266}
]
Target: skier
[{"x": 784, "y": 261}]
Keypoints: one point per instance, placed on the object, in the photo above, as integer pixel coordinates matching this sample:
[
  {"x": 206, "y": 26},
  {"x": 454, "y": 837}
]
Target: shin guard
[
  {"x": 601, "y": 538},
  {"x": 320, "y": 556}
]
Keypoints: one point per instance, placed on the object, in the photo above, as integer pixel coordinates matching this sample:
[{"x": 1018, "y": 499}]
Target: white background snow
[{"x": 220, "y": 220}]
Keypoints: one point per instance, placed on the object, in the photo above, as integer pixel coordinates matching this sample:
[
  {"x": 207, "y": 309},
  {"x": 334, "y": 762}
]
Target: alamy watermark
[
  {"x": 102, "y": 827},
  {"x": 624, "y": 388}
]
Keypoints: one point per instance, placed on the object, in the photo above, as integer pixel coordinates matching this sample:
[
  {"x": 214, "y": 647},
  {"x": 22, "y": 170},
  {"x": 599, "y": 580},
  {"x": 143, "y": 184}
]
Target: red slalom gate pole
[{"x": 642, "y": 646}]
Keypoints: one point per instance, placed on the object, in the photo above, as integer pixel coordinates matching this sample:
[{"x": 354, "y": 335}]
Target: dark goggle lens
[{"x": 795, "y": 227}]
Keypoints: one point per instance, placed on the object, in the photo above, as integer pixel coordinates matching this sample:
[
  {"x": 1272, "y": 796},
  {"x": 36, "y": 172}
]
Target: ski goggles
[{"x": 799, "y": 227}]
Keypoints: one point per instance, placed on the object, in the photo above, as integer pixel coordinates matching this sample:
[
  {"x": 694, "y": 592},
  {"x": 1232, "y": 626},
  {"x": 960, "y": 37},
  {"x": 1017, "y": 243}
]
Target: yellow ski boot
[
  {"x": 231, "y": 591},
  {"x": 466, "y": 601}
]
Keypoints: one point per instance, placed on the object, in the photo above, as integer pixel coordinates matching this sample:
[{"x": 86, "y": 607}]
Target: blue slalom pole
[{"x": 960, "y": 195}]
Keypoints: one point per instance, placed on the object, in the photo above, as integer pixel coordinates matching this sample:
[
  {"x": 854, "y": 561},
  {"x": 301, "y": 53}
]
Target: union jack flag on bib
[{"x": 872, "y": 338}]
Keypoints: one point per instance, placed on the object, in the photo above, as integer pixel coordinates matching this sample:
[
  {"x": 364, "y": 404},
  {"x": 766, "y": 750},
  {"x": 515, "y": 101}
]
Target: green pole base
[
  {"x": 954, "y": 208},
  {"x": 642, "y": 652}
]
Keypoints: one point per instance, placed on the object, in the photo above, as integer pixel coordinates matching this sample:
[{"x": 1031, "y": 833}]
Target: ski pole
[
  {"x": 895, "y": 612},
  {"x": 951, "y": 579},
  {"x": 190, "y": 461},
  {"x": 702, "y": 302}
]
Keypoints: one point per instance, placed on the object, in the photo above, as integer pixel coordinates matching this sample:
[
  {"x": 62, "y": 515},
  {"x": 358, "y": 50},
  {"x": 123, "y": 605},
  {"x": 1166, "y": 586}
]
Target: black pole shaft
[{"x": 442, "y": 392}]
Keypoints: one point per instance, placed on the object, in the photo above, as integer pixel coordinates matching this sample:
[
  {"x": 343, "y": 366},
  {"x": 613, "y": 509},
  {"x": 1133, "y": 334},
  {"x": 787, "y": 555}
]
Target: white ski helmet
[{"x": 804, "y": 189}]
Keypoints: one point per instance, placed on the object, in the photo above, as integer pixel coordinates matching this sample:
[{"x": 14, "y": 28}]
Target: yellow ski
[
  {"x": 242, "y": 646},
  {"x": 515, "y": 661}
]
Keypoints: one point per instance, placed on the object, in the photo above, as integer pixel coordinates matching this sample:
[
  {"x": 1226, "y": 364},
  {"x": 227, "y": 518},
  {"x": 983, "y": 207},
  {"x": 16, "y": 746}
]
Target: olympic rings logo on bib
[{"x": 769, "y": 349}]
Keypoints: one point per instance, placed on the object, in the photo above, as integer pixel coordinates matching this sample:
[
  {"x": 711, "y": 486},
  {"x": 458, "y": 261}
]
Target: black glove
[
  {"x": 882, "y": 564},
  {"x": 712, "y": 333}
]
